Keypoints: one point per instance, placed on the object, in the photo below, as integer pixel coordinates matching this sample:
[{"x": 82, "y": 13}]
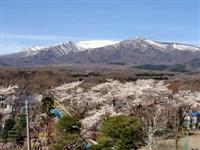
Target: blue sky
[{"x": 26, "y": 23}]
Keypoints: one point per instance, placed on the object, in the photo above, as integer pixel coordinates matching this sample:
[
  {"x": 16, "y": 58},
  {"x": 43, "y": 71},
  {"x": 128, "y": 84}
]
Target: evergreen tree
[
  {"x": 18, "y": 132},
  {"x": 7, "y": 127},
  {"x": 67, "y": 132},
  {"x": 121, "y": 132},
  {"x": 47, "y": 105}
]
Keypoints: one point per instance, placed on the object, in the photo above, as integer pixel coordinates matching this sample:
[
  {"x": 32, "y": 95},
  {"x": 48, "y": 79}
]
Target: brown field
[{"x": 42, "y": 78}]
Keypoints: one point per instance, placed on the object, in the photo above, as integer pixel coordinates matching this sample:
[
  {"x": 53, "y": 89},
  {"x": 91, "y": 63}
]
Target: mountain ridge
[{"x": 131, "y": 52}]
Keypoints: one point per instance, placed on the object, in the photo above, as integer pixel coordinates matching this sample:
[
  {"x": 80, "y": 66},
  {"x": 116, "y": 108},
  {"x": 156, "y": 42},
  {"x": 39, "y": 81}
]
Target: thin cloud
[
  {"x": 33, "y": 37},
  {"x": 12, "y": 47}
]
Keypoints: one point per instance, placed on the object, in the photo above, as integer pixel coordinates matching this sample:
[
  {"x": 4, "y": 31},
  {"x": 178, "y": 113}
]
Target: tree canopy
[
  {"x": 67, "y": 124},
  {"x": 7, "y": 127},
  {"x": 47, "y": 105},
  {"x": 122, "y": 132},
  {"x": 18, "y": 131},
  {"x": 67, "y": 133}
]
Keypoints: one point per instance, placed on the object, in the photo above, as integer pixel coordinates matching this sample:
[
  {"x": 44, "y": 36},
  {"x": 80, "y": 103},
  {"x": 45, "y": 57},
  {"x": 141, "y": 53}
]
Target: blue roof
[
  {"x": 195, "y": 114},
  {"x": 87, "y": 145},
  {"x": 56, "y": 112}
]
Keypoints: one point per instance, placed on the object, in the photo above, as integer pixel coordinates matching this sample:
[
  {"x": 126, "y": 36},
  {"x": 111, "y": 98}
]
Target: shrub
[
  {"x": 114, "y": 126},
  {"x": 67, "y": 133},
  {"x": 122, "y": 132},
  {"x": 67, "y": 124},
  {"x": 104, "y": 143},
  {"x": 131, "y": 139}
]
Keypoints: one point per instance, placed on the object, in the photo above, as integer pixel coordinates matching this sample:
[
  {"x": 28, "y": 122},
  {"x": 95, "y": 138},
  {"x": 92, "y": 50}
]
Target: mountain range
[{"x": 132, "y": 53}]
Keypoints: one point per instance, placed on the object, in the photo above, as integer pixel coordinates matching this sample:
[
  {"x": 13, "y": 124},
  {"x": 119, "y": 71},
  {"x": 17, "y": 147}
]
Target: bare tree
[
  {"x": 154, "y": 119},
  {"x": 176, "y": 117}
]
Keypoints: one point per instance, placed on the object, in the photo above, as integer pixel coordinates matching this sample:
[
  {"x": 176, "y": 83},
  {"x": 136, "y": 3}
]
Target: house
[
  {"x": 192, "y": 120},
  {"x": 57, "y": 113}
]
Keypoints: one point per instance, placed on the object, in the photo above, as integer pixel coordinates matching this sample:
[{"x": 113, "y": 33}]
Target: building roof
[{"x": 195, "y": 113}]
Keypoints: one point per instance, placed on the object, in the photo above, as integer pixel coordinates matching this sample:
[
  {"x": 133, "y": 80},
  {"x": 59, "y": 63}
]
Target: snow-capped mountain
[
  {"x": 57, "y": 49},
  {"x": 172, "y": 46},
  {"x": 39, "y": 55},
  {"x": 65, "y": 48},
  {"x": 32, "y": 50},
  {"x": 95, "y": 43},
  {"x": 185, "y": 47},
  {"x": 132, "y": 52},
  {"x": 35, "y": 48}
]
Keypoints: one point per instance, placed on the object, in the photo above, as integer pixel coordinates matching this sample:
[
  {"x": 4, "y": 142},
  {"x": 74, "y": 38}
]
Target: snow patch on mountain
[
  {"x": 160, "y": 45},
  {"x": 95, "y": 43},
  {"x": 32, "y": 50},
  {"x": 185, "y": 47},
  {"x": 172, "y": 46},
  {"x": 36, "y": 48},
  {"x": 58, "y": 49},
  {"x": 65, "y": 48}
]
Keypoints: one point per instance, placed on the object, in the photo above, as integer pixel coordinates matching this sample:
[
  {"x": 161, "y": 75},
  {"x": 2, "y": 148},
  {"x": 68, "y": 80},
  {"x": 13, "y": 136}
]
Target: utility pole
[{"x": 28, "y": 125}]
